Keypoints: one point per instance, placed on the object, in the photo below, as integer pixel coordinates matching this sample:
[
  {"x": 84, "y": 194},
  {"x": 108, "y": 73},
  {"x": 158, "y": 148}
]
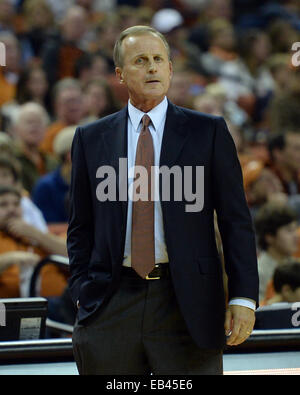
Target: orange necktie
[{"x": 142, "y": 237}]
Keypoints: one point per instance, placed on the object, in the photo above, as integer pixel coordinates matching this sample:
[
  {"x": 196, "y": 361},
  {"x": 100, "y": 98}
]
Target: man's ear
[{"x": 119, "y": 74}]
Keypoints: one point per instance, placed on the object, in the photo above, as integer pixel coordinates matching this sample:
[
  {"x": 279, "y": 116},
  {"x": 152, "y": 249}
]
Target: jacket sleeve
[
  {"x": 234, "y": 219},
  {"x": 80, "y": 236}
]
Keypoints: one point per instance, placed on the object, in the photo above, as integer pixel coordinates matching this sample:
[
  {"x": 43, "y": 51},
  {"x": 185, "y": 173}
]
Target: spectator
[
  {"x": 93, "y": 16},
  {"x": 282, "y": 36},
  {"x": 276, "y": 227},
  {"x": 15, "y": 257},
  {"x": 210, "y": 10},
  {"x": 261, "y": 185},
  {"x": 283, "y": 109},
  {"x": 279, "y": 313},
  {"x": 209, "y": 104},
  {"x": 32, "y": 86},
  {"x": 236, "y": 115},
  {"x": 222, "y": 46},
  {"x": 91, "y": 66},
  {"x": 68, "y": 108},
  {"x": 99, "y": 100},
  {"x": 51, "y": 192},
  {"x": 185, "y": 85},
  {"x": 247, "y": 79},
  {"x": 10, "y": 176},
  {"x": 279, "y": 66},
  {"x": 284, "y": 152},
  {"x": 30, "y": 128},
  {"x": 286, "y": 282},
  {"x": 39, "y": 27},
  {"x": 21, "y": 247},
  {"x": 7, "y": 16},
  {"x": 99, "y": 66},
  {"x": 60, "y": 54}
]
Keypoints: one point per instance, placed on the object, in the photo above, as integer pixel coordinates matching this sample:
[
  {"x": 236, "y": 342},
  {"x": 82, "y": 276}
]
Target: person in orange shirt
[
  {"x": 69, "y": 110},
  {"x": 62, "y": 52},
  {"x": 21, "y": 247}
]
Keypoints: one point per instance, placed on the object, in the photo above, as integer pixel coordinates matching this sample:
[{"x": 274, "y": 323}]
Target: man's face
[
  {"x": 286, "y": 239},
  {"x": 146, "y": 70},
  {"x": 75, "y": 26},
  {"x": 96, "y": 100},
  {"x": 69, "y": 106},
  {"x": 31, "y": 128},
  {"x": 266, "y": 186},
  {"x": 9, "y": 208}
]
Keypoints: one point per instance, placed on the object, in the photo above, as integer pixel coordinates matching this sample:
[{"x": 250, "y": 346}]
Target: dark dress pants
[{"x": 141, "y": 331}]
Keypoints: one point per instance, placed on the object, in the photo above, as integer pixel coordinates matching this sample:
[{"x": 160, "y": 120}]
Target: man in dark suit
[{"x": 145, "y": 273}]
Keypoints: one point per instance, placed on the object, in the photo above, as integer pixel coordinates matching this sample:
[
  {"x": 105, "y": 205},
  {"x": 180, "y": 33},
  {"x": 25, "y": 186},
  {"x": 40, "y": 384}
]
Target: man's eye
[
  {"x": 139, "y": 61},
  {"x": 158, "y": 58}
]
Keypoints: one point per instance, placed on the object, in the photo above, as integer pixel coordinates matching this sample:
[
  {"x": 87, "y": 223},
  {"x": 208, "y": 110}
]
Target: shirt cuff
[{"x": 243, "y": 302}]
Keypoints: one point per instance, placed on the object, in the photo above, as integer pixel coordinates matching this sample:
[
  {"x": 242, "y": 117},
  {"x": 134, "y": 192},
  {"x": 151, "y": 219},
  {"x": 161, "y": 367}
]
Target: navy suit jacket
[{"x": 96, "y": 233}]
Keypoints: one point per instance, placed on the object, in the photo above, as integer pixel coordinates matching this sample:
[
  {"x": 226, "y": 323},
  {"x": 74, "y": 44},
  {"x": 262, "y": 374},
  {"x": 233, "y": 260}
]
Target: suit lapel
[
  {"x": 174, "y": 137},
  {"x": 115, "y": 142}
]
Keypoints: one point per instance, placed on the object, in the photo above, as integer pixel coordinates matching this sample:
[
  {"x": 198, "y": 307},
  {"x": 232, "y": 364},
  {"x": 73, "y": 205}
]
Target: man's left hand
[{"x": 239, "y": 323}]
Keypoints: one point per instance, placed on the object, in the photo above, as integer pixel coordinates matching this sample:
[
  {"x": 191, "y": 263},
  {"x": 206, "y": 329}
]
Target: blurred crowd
[{"x": 231, "y": 58}]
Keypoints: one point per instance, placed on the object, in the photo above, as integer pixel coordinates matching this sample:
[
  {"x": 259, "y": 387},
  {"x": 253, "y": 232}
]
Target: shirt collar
[{"x": 156, "y": 115}]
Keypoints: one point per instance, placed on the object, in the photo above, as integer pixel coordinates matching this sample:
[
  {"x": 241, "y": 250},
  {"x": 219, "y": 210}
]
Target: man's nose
[
  {"x": 11, "y": 211},
  {"x": 152, "y": 66}
]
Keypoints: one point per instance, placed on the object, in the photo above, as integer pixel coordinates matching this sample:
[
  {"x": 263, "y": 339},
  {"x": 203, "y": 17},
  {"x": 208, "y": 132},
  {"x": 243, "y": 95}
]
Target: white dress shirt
[{"x": 156, "y": 127}]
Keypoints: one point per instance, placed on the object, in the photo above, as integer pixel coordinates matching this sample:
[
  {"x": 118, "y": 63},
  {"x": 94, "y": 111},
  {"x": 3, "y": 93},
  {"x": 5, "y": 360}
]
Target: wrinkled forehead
[{"x": 139, "y": 44}]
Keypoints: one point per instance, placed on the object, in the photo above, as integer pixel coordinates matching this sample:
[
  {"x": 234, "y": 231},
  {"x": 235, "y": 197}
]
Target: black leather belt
[{"x": 161, "y": 270}]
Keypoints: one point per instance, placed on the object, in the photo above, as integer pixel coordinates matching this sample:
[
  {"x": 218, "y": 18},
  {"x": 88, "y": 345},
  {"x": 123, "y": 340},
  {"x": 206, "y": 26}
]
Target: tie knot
[{"x": 146, "y": 120}]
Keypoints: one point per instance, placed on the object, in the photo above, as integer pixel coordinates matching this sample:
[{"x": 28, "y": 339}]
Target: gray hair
[
  {"x": 136, "y": 31},
  {"x": 28, "y": 108}
]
